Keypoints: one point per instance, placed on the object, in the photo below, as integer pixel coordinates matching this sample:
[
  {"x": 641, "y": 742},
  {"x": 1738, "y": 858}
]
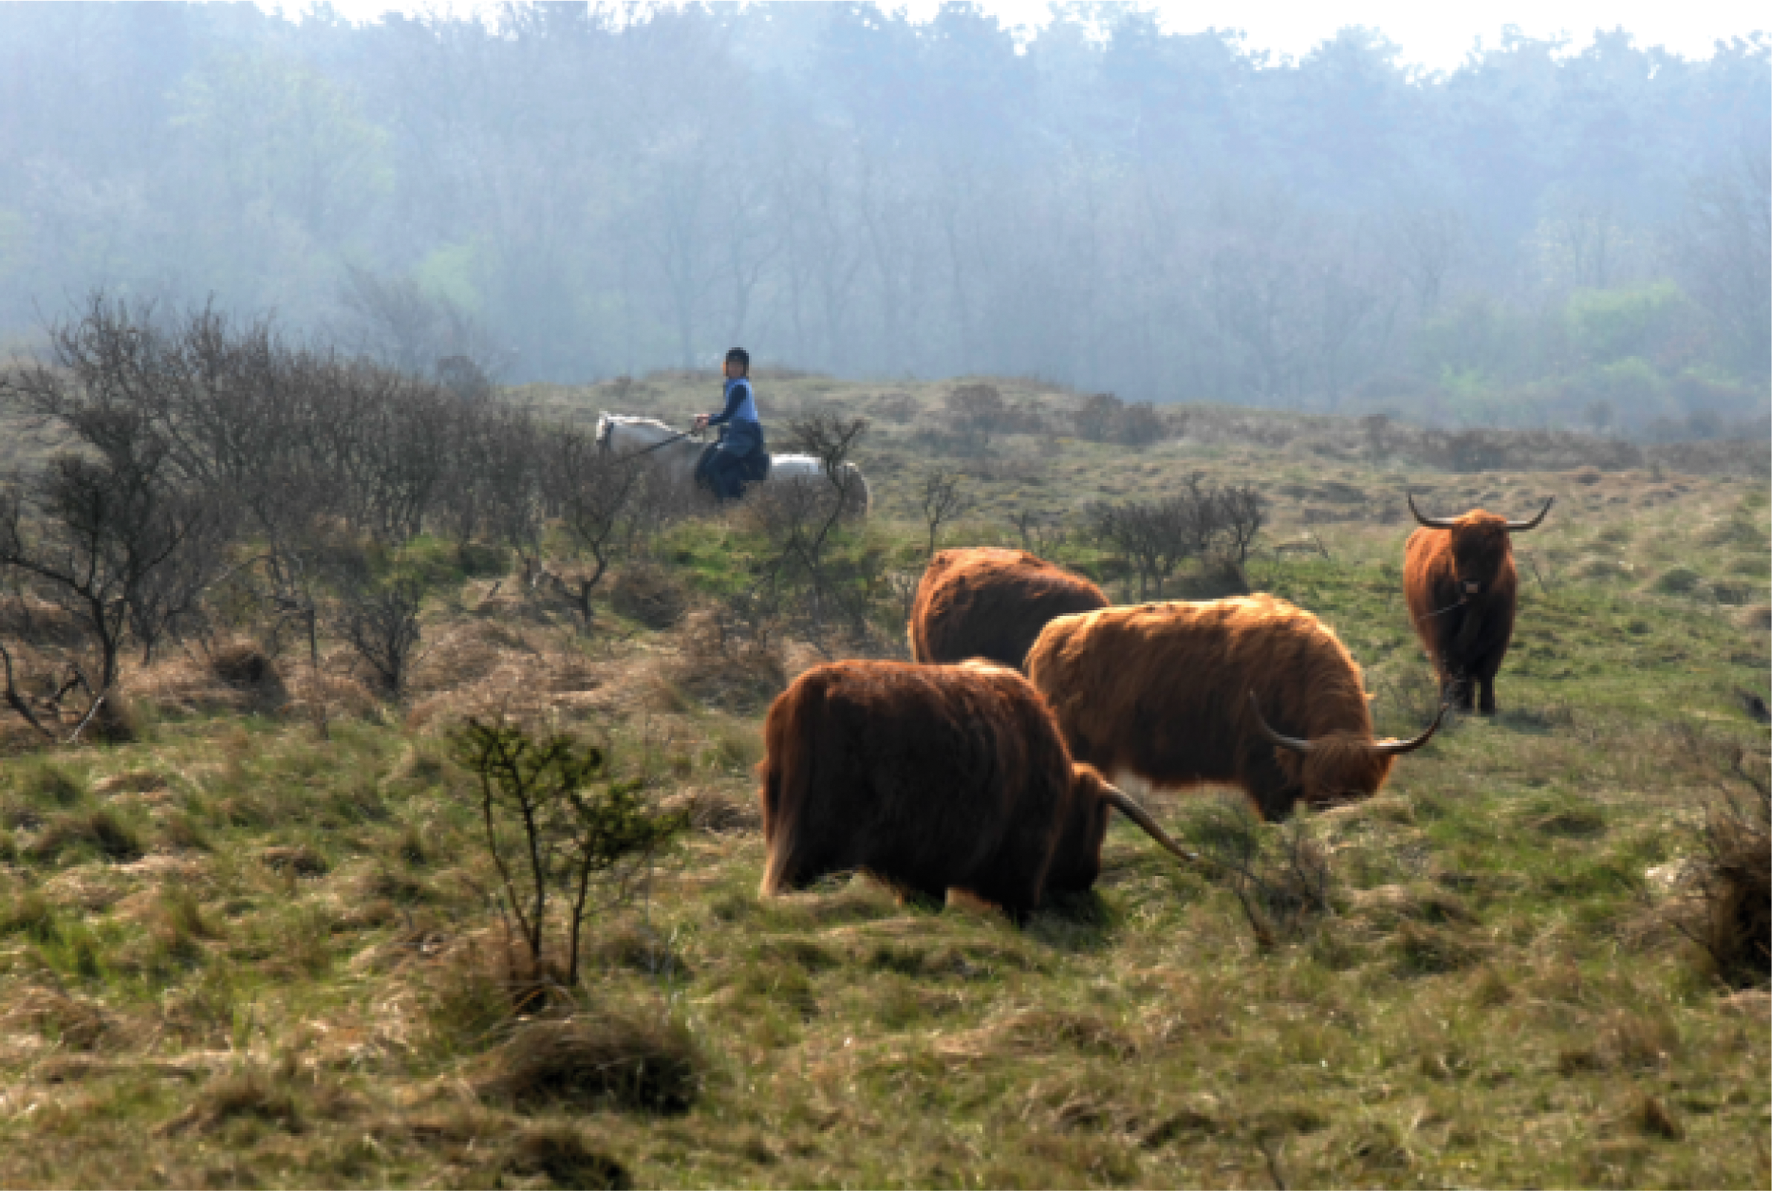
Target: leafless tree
[
  {"x": 116, "y": 549},
  {"x": 943, "y": 501},
  {"x": 1042, "y": 534},
  {"x": 1156, "y": 537},
  {"x": 378, "y": 617},
  {"x": 975, "y": 412},
  {"x": 598, "y": 498},
  {"x": 1242, "y": 512},
  {"x": 803, "y": 521}
]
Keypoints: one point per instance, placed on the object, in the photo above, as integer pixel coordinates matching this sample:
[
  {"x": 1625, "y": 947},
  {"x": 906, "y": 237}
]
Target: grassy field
[{"x": 234, "y": 953}]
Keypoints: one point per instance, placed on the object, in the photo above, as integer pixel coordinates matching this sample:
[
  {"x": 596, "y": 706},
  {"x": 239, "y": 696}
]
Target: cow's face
[
  {"x": 1480, "y": 550},
  {"x": 1341, "y": 767},
  {"x": 1338, "y": 766},
  {"x": 1076, "y": 861}
]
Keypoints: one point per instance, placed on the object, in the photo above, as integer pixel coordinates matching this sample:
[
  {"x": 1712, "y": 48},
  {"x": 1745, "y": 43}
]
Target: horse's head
[{"x": 626, "y": 434}]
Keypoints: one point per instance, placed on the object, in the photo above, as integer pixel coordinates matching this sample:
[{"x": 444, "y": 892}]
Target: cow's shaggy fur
[
  {"x": 930, "y": 778},
  {"x": 991, "y": 603},
  {"x": 1163, "y": 691}
]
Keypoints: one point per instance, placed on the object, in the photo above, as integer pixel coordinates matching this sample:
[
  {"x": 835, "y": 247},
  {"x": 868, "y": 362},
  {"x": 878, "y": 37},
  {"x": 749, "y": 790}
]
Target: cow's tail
[{"x": 791, "y": 741}]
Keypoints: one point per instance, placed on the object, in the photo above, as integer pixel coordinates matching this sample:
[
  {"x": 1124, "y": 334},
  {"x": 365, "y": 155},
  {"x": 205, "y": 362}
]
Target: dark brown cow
[
  {"x": 1461, "y": 587},
  {"x": 1177, "y": 693},
  {"x": 931, "y": 778},
  {"x": 989, "y": 603}
]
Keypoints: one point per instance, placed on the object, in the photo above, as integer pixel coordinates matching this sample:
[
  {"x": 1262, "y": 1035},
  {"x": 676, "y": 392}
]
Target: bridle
[
  {"x": 1448, "y": 608},
  {"x": 605, "y": 446}
]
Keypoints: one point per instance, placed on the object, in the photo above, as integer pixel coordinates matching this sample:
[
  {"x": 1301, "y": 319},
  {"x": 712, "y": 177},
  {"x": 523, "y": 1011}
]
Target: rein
[
  {"x": 647, "y": 450},
  {"x": 1442, "y": 611}
]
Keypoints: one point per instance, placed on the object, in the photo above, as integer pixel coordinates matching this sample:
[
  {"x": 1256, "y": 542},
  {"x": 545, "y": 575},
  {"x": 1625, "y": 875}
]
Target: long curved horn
[
  {"x": 1396, "y": 748},
  {"x": 1523, "y": 526},
  {"x": 1122, "y": 802},
  {"x": 1285, "y": 742},
  {"x": 1430, "y": 522}
]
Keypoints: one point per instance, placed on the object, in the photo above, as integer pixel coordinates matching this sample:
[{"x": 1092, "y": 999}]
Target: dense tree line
[{"x": 568, "y": 192}]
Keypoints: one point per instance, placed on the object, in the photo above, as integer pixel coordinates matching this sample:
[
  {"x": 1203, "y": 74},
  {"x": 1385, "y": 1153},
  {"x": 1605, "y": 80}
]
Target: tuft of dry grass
[
  {"x": 236, "y": 676},
  {"x": 75, "y": 1022},
  {"x": 297, "y": 860},
  {"x": 620, "y": 1057},
  {"x": 100, "y": 829},
  {"x": 246, "y": 1092},
  {"x": 649, "y": 594},
  {"x": 559, "y": 1152},
  {"x": 1655, "y": 1119}
]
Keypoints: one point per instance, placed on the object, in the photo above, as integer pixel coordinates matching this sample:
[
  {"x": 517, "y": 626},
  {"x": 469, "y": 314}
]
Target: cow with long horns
[
  {"x": 931, "y": 778},
  {"x": 1251, "y": 692},
  {"x": 1461, "y": 588},
  {"x": 986, "y": 602}
]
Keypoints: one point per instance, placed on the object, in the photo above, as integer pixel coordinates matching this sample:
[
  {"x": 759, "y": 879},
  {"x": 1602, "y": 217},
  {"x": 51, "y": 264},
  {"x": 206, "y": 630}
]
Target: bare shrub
[
  {"x": 1095, "y": 419},
  {"x": 378, "y": 617},
  {"x": 943, "y": 501},
  {"x": 556, "y": 823},
  {"x": 816, "y": 567},
  {"x": 599, "y": 500},
  {"x": 974, "y": 413},
  {"x": 1728, "y": 909},
  {"x": 1153, "y": 538},
  {"x": 1042, "y": 534},
  {"x": 120, "y": 550},
  {"x": 1279, "y": 874},
  {"x": 1103, "y": 417},
  {"x": 1138, "y": 425}
]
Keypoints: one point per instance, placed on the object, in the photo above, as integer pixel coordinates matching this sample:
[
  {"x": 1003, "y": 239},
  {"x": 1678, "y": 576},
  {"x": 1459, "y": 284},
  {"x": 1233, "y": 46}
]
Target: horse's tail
[{"x": 856, "y": 497}]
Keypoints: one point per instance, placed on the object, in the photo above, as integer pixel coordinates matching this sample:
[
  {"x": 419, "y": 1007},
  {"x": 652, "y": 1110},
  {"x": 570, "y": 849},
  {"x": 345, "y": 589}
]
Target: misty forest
[{"x": 565, "y": 192}]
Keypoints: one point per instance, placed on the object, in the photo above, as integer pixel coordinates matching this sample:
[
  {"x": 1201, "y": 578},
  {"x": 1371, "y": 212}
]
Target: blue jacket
[{"x": 741, "y": 405}]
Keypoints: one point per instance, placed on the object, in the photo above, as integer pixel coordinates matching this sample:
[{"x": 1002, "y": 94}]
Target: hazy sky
[{"x": 1436, "y": 36}]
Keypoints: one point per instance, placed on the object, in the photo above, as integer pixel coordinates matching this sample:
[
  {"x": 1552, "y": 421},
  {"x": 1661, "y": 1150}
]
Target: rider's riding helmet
[{"x": 741, "y": 357}]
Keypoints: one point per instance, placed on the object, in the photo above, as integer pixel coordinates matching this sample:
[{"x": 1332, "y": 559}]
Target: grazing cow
[
  {"x": 931, "y": 778},
  {"x": 1183, "y": 693},
  {"x": 988, "y": 603},
  {"x": 1461, "y": 587}
]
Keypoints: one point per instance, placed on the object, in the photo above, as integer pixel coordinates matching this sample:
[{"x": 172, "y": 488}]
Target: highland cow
[
  {"x": 931, "y": 778},
  {"x": 1181, "y": 694},
  {"x": 990, "y": 603},
  {"x": 1461, "y": 589}
]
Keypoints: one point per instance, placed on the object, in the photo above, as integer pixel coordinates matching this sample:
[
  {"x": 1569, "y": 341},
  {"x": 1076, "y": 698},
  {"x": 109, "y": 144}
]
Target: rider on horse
[{"x": 741, "y": 435}]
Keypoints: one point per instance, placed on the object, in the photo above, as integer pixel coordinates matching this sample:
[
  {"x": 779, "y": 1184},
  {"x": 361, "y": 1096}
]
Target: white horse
[{"x": 677, "y": 454}]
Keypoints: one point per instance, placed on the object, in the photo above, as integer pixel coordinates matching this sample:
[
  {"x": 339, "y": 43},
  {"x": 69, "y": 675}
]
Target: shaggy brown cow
[
  {"x": 1460, "y": 585},
  {"x": 1176, "y": 694},
  {"x": 984, "y": 602},
  {"x": 931, "y": 778}
]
